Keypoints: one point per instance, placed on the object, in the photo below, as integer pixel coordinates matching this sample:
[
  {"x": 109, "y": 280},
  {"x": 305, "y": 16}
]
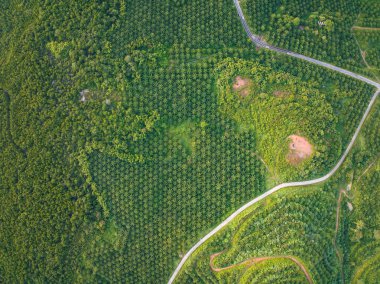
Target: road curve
[
  {"x": 277, "y": 188},
  {"x": 260, "y": 43},
  {"x": 256, "y": 40}
]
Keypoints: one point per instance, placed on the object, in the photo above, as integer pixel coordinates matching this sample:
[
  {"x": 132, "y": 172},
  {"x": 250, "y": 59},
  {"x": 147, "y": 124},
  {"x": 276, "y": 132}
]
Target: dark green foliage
[
  {"x": 115, "y": 154},
  {"x": 369, "y": 42},
  {"x": 299, "y": 223},
  {"x": 320, "y": 29},
  {"x": 363, "y": 242},
  {"x": 369, "y": 14},
  {"x": 166, "y": 203},
  {"x": 298, "y": 220},
  {"x": 54, "y": 214}
]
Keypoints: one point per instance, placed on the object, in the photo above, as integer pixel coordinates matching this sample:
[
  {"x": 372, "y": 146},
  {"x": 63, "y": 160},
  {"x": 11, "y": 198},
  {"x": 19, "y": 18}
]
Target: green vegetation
[
  {"x": 89, "y": 92},
  {"x": 369, "y": 14},
  {"x": 367, "y": 34},
  {"x": 363, "y": 225},
  {"x": 364, "y": 229},
  {"x": 297, "y": 223},
  {"x": 369, "y": 44},
  {"x": 122, "y": 141},
  {"x": 278, "y": 106},
  {"x": 320, "y": 29},
  {"x": 165, "y": 203},
  {"x": 331, "y": 229},
  {"x": 275, "y": 271}
]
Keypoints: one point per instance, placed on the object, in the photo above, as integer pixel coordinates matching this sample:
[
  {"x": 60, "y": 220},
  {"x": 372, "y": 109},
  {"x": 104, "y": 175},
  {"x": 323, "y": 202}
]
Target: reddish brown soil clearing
[
  {"x": 241, "y": 85},
  {"x": 299, "y": 149}
]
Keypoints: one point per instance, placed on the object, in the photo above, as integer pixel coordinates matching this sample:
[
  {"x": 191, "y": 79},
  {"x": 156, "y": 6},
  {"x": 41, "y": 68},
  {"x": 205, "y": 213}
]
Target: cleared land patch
[
  {"x": 242, "y": 85},
  {"x": 300, "y": 110},
  {"x": 299, "y": 149},
  {"x": 280, "y": 94}
]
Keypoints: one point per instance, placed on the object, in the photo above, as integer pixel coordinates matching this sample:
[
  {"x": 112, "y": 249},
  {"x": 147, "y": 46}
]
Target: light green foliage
[
  {"x": 57, "y": 47},
  {"x": 273, "y": 271},
  {"x": 278, "y": 105},
  {"x": 320, "y": 29},
  {"x": 363, "y": 244},
  {"x": 117, "y": 186},
  {"x": 369, "y": 43},
  {"x": 367, "y": 34},
  {"x": 302, "y": 223},
  {"x": 299, "y": 223},
  {"x": 185, "y": 133},
  {"x": 369, "y": 14}
]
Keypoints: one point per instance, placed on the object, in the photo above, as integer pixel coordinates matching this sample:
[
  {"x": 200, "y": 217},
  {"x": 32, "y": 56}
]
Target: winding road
[{"x": 258, "y": 42}]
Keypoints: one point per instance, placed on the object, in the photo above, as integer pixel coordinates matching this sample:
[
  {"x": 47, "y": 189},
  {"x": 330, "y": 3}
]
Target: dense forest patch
[
  {"x": 304, "y": 110},
  {"x": 303, "y": 233},
  {"x": 319, "y": 29},
  {"x": 369, "y": 14},
  {"x": 363, "y": 223},
  {"x": 121, "y": 142},
  {"x": 369, "y": 44},
  {"x": 337, "y": 221}
]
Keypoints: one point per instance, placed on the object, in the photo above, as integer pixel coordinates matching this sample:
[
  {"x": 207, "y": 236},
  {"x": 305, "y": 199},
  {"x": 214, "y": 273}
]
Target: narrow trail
[
  {"x": 368, "y": 168},
  {"x": 363, "y": 55},
  {"x": 254, "y": 260},
  {"x": 365, "y": 28},
  {"x": 337, "y": 222},
  {"x": 337, "y": 219},
  {"x": 258, "y": 42}
]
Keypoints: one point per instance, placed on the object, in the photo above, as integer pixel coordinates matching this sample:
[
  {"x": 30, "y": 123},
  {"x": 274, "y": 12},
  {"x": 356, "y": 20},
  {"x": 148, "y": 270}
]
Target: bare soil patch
[
  {"x": 87, "y": 95},
  {"x": 241, "y": 85},
  {"x": 350, "y": 206},
  {"x": 299, "y": 149},
  {"x": 244, "y": 93},
  {"x": 281, "y": 94}
]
